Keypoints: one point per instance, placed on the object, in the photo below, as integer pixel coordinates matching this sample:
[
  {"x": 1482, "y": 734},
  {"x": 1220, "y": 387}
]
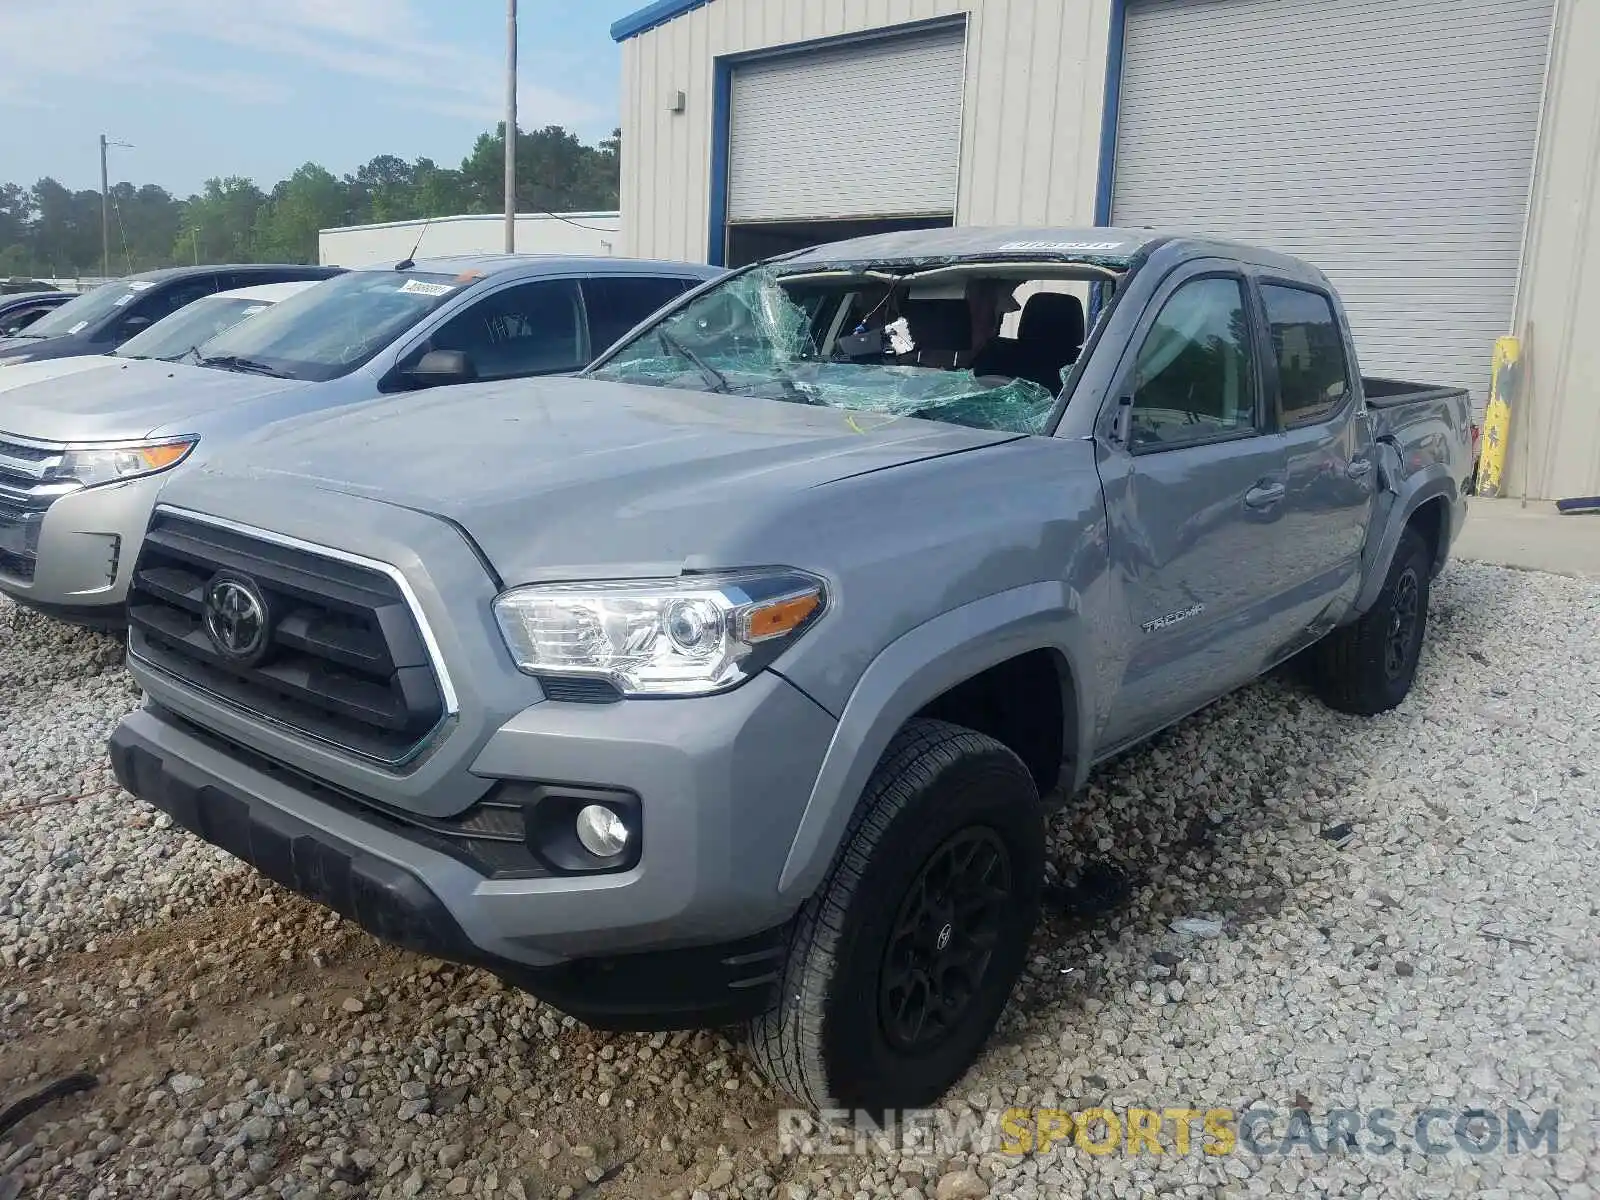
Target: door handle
[
  {"x": 1358, "y": 468},
  {"x": 1265, "y": 495}
]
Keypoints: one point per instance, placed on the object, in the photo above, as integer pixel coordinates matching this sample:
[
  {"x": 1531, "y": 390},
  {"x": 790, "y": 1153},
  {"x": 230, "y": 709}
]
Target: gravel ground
[{"x": 1395, "y": 913}]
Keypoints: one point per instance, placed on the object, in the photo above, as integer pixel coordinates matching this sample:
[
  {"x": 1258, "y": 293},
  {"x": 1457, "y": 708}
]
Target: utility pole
[
  {"x": 105, "y": 213},
  {"x": 105, "y": 206},
  {"x": 511, "y": 126}
]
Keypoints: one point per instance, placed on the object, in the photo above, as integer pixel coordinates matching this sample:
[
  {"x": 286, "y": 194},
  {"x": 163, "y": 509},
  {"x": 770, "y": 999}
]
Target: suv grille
[
  {"x": 24, "y": 498},
  {"x": 341, "y": 658}
]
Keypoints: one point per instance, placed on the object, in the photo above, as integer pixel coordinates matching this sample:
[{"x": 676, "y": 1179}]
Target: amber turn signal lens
[
  {"x": 158, "y": 457},
  {"x": 781, "y": 616}
]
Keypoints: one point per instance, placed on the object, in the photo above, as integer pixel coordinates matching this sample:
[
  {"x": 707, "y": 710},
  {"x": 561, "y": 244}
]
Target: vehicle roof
[
  {"x": 928, "y": 247},
  {"x": 537, "y": 264},
  {"x": 16, "y": 299},
  {"x": 162, "y": 274},
  {"x": 270, "y": 293},
  {"x": 1103, "y": 245}
]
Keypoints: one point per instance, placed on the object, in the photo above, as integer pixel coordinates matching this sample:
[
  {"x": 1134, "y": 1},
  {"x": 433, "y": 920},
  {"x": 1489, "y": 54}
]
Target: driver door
[{"x": 1194, "y": 493}]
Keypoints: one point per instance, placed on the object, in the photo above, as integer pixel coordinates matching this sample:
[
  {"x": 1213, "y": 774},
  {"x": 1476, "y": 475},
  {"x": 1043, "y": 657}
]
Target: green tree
[
  {"x": 48, "y": 229},
  {"x": 286, "y": 226},
  {"x": 220, "y": 221}
]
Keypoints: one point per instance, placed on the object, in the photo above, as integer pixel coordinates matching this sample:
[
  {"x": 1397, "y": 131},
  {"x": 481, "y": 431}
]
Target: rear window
[{"x": 1313, "y": 377}]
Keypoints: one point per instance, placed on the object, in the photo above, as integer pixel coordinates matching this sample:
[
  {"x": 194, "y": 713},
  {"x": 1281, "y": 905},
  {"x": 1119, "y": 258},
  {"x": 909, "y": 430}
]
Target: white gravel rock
[{"x": 1323, "y": 913}]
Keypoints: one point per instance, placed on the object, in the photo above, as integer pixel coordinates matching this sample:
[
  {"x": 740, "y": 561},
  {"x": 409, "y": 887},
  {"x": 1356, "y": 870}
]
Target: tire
[
  {"x": 1368, "y": 667},
  {"x": 841, "y": 1033}
]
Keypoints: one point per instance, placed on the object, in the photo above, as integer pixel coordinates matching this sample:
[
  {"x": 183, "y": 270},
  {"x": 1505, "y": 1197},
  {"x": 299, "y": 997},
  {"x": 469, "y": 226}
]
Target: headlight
[
  {"x": 90, "y": 465},
  {"x": 661, "y": 637}
]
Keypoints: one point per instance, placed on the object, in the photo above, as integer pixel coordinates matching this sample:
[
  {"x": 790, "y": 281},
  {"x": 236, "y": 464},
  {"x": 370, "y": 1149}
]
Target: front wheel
[
  {"x": 1368, "y": 667},
  {"x": 900, "y": 965}
]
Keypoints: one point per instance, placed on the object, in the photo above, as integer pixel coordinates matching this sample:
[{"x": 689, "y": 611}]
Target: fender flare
[
  {"x": 1431, "y": 483},
  {"x": 911, "y": 671}
]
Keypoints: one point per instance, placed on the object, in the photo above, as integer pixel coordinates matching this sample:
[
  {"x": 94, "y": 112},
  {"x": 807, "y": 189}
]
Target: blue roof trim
[{"x": 650, "y": 16}]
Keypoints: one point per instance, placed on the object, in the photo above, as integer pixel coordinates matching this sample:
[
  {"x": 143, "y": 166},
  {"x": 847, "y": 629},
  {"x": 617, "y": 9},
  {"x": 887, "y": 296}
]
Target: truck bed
[{"x": 1386, "y": 393}]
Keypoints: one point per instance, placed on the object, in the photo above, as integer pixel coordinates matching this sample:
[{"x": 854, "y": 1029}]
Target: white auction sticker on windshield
[
  {"x": 121, "y": 300},
  {"x": 1060, "y": 247},
  {"x": 139, "y": 285},
  {"x": 417, "y": 287},
  {"x": 254, "y": 309},
  {"x": 79, "y": 327}
]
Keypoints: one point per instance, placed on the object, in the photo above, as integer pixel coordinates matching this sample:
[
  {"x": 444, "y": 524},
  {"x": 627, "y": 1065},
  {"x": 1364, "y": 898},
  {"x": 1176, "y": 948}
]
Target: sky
[{"x": 204, "y": 88}]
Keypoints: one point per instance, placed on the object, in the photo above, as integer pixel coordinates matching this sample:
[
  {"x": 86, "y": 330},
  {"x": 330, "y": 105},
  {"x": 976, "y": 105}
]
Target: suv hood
[
  {"x": 560, "y": 476},
  {"x": 15, "y": 375},
  {"x": 125, "y": 398}
]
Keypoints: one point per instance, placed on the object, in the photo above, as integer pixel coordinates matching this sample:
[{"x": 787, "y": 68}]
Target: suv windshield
[
  {"x": 192, "y": 325},
  {"x": 866, "y": 342},
  {"x": 88, "y": 309},
  {"x": 330, "y": 329}
]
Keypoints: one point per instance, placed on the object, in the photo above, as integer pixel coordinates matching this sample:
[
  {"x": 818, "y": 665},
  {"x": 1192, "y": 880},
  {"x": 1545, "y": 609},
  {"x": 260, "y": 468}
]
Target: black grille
[
  {"x": 19, "y": 538},
  {"x": 576, "y": 690},
  {"x": 344, "y": 662}
]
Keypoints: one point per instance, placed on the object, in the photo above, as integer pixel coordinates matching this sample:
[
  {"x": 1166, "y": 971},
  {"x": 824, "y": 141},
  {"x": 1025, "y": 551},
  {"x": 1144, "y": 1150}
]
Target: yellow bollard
[{"x": 1503, "y": 386}]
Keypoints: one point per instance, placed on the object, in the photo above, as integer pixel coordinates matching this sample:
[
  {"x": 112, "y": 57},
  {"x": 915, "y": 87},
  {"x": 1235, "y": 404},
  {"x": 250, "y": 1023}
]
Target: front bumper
[
  {"x": 77, "y": 555},
  {"x": 690, "y": 936}
]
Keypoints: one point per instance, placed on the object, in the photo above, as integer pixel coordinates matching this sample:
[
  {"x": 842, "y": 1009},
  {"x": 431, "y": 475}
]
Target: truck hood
[
  {"x": 123, "y": 398},
  {"x": 561, "y": 477}
]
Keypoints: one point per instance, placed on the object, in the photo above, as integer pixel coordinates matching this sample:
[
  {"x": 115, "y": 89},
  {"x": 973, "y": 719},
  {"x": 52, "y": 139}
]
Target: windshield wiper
[
  {"x": 717, "y": 380},
  {"x": 249, "y": 366}
]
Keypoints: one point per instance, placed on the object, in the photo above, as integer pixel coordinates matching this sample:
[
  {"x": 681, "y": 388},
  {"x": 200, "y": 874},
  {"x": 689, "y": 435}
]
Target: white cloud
[{"x": 384, "y": 43}]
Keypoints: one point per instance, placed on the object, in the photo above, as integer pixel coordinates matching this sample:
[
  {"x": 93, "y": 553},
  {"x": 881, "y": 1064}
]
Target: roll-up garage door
[
  {"x": 1390, "y": 144},
  {"x": 868, "y": 129}
]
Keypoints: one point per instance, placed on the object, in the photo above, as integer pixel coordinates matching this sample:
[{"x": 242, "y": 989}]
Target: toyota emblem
[{"x": 236, "y": 618}]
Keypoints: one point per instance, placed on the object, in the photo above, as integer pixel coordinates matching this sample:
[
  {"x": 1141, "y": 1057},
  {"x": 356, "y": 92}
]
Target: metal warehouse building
[{"x": 1440, "y": 159}]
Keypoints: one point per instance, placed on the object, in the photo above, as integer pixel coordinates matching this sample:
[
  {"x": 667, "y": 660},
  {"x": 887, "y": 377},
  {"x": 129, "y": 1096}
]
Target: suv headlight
[
  {"x": 661, "y": 637},
  {"x": 91, "y": 465}
]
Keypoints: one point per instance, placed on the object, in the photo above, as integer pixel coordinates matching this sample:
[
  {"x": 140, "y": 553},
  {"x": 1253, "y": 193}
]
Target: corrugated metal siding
[
  {"x": 1555, "y": 439},
  {"x": 1030, "y": 115},
  {"x": 1391, "y": 144},
  {"x": 880, "y": 121}
]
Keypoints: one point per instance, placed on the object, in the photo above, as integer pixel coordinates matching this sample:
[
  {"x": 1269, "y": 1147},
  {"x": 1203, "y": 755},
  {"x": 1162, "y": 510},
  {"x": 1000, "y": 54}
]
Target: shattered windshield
[{"x": 966, "y": 351}]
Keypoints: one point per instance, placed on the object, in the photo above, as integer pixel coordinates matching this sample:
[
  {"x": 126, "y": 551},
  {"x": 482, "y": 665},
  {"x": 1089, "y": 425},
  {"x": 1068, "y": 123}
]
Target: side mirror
[{"x": 442, "y": 367}]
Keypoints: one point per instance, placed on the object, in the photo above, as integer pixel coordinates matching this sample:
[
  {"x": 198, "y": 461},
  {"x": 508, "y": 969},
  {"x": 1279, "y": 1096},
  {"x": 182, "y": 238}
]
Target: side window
[
  {"x": 617, "y": 303},
  {"x": 1195, "y": 376},
  {"x": 21, "y": 318},
  {"x": 1313, "y": 376},
  {"x": 530, "y": 329}
]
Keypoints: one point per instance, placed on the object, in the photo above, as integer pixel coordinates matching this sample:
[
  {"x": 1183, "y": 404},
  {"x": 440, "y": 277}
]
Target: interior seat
[{"x": 1049, "y": 337}]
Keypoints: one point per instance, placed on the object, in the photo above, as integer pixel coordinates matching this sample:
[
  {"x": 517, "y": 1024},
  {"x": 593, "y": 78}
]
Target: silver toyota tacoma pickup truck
[{"x": 731, "y": 681}]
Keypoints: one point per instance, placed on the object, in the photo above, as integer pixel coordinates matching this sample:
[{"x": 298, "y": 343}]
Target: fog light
[{"x": 602, "y": 832}]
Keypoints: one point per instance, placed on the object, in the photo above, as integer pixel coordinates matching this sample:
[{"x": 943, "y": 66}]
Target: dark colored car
[
  {"x": 102, "y": 319},
  {"x": 19, "y": 310}
]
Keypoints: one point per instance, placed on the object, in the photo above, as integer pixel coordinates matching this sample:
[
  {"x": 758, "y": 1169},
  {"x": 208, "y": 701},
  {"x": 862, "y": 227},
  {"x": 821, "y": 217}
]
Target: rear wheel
[
  {"x": 1368, "y": 667},
  {"x": 901, "y": 963}
]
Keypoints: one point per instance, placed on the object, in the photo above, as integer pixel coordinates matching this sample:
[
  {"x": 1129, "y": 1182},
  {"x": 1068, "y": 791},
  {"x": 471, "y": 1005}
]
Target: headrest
[{"x": 1050, "y": 315}]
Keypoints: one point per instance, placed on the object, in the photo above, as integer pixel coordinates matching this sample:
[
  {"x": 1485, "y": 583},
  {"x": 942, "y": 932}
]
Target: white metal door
[
  {"x": 868, "y": 129},
  {"x": 1389, "y": 144}
]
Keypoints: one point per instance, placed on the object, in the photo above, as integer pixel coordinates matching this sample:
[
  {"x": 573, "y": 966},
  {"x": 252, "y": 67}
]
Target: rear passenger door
[
  {"x": 614, "y": 304},
  {"x": 525, "y": 329},
  {"x": 1331, "y": 477},
  {"x": 1194, "y": 489}
]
